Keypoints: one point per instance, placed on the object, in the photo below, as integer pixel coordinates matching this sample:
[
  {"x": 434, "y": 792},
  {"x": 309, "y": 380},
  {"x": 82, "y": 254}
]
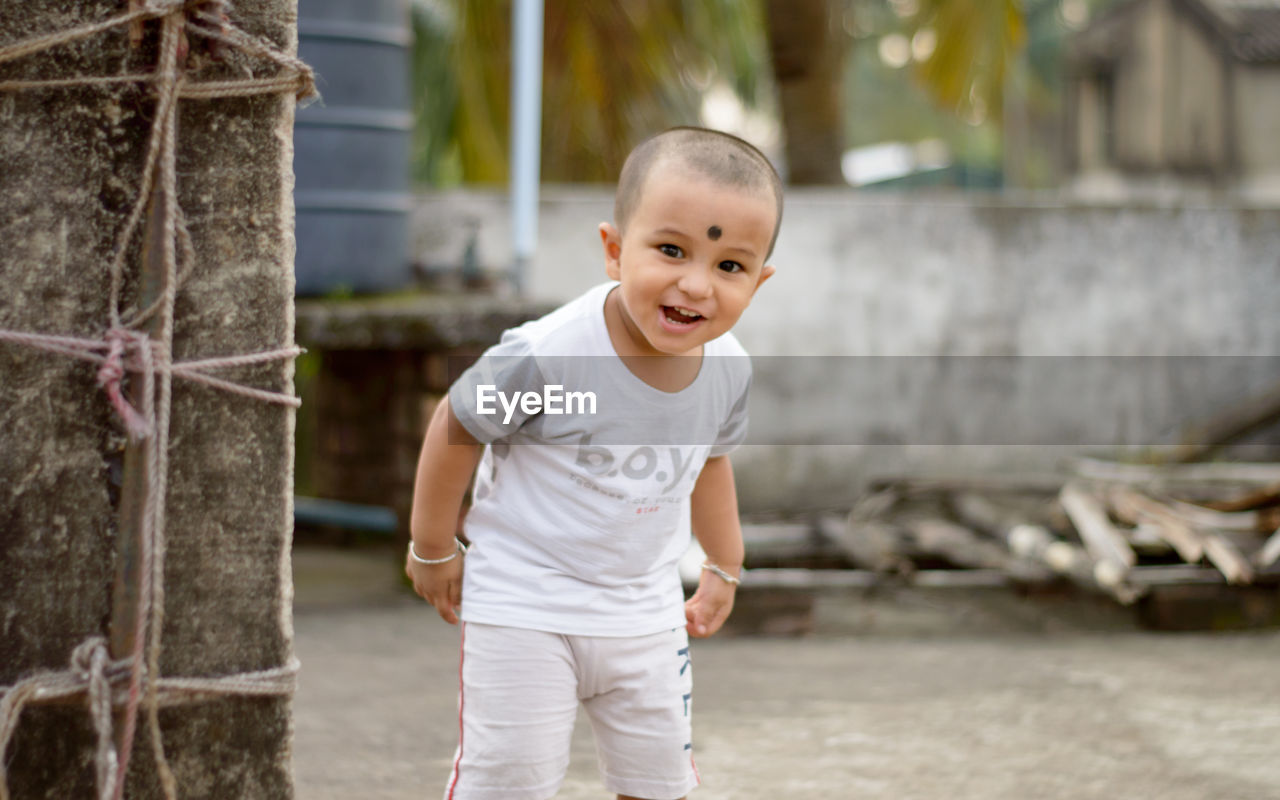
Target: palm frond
[
  {"x": 976, "y": 41},
  {"x": 613, "y": 73}
]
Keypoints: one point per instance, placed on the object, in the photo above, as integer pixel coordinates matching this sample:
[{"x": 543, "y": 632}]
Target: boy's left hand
[{"x": 709, "y": 607}]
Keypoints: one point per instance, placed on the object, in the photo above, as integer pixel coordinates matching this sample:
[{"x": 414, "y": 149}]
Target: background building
[{"x": 1181, "y": 91}]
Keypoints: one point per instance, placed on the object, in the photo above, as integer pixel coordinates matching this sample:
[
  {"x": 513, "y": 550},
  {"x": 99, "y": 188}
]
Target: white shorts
[{"x": 520, "y": 694}]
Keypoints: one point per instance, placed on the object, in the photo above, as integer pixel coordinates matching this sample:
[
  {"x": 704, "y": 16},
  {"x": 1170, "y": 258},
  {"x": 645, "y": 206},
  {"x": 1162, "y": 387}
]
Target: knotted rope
[{"x": 123, "y": 349}]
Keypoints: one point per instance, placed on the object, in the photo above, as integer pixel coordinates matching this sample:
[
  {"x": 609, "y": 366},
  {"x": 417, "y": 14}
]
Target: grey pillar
[{"x": 70, "y": 163}]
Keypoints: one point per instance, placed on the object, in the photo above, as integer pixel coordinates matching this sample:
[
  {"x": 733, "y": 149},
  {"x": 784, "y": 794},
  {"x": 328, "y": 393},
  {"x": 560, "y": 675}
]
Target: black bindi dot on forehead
[{"x": 713, "y": 232}]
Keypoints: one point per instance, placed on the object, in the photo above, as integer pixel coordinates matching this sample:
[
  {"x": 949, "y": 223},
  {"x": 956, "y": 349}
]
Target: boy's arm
[
  {"x": 714, "y": 514},
  {"x": 444, "y": 473}
]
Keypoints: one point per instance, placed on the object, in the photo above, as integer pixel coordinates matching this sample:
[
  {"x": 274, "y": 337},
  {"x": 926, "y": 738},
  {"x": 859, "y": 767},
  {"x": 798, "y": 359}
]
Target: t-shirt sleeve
[
  {"x": 734, "y": 430},
  {"x": 485, "y": 399}
]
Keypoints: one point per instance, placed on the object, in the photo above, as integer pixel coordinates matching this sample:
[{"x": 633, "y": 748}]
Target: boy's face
[{"x": 690, "y": 261}]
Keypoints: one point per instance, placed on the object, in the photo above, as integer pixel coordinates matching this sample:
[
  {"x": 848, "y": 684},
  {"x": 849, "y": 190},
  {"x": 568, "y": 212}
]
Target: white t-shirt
[{"x": 580, "y": 509}]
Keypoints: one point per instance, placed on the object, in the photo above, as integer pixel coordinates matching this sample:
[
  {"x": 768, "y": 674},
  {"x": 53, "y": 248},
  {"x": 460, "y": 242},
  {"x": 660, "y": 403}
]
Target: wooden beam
[
  {"x": 1025, "y": 540},
  {"x": 1137, "y": 508},
  {"x": 1234, "y": 472},
  {"x": 1191, "y": 540},
  {"x": 1112, "y": 555},
  {"x": 957, "y": 544},
  {"x": 1231, "y": 425},
  {"x": 1100, "y": 537},
  {"x": 871, "y": 544},
  {"x": 1269, "y": 553}
]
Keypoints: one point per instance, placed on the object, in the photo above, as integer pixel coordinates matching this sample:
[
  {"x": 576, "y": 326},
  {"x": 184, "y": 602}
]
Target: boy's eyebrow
[{"x": 746, "y": 250}]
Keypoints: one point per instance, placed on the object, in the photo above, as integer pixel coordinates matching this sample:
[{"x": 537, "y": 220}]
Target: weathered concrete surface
[
  {"x": 921, "y": 283},
  {"x": 72, "y": 161},
  {"x": 434, "y": 322},
  {"x": 907, "y": 698}
]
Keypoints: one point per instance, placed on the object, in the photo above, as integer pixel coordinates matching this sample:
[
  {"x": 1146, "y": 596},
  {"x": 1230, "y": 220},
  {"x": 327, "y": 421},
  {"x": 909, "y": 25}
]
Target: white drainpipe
[{"x": 526, "y": 128}]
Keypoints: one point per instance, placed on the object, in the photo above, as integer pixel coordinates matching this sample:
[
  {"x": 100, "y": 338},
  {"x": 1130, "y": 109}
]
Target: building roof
[{"x": 1249, "y": 30}]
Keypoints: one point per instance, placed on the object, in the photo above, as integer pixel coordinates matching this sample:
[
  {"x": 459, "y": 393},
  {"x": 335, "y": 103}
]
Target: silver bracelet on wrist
[
  {"x": 721, "y": 574},
  {"x": 460, "y": 549}
]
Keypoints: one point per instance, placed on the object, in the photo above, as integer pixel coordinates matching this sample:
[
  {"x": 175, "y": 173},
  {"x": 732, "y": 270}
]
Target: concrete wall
[{"x": 1114, "y": 293}]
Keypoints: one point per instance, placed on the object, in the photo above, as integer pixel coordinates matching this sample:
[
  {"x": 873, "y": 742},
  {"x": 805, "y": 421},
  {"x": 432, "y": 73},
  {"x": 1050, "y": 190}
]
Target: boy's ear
[
  {"x": 612, "y": 241},
  {"x": 766, "y": 273}
]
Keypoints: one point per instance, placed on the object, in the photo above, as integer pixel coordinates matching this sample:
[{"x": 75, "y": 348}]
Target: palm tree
[
  {"x": 616, "y": 72},
  {"x": 976, "y": 41},
  {"x": 613, "y": 73}
]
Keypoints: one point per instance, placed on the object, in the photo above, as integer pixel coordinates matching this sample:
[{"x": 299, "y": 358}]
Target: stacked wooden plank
[{"x": 1115, "y": 528}]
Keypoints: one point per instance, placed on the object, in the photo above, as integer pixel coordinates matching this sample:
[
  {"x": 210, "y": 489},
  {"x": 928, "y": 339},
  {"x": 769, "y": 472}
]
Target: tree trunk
[{"x": 808, "y": 49}]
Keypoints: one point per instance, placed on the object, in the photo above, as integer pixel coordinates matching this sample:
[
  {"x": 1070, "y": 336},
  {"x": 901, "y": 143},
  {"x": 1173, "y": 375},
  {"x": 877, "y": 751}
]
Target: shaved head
[{"x": 720, "y": 157}]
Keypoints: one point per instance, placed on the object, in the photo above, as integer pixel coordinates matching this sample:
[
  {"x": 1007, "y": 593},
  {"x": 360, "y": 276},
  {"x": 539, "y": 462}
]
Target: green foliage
[
  {"x": 340, "y": 291},
  {"x": 306, "y": 372},
  {"x": 617, "y": 72},
  {"x": 976, "y": 39},
  {"x": 888, "y": 105},
  {"x": 990, "y": 58},
  {"x": 435, "y": 156},
  {"x": 613, "y": 73}
]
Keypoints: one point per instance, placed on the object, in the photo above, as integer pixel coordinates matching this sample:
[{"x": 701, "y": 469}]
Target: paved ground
[{"x": 954, "y": 696}]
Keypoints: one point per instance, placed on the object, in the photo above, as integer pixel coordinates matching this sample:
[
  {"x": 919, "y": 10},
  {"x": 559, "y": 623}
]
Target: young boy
[{"x": 580, "y": 512}]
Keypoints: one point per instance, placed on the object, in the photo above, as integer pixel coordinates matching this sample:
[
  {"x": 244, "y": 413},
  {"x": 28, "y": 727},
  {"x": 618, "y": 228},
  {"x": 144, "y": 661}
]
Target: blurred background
[
  {"x": 1016, "y": 374},
  {"x": 1018, "y": 234},
  {"x": 845, "y": 92},
  {"x": 866, "y": 93}
]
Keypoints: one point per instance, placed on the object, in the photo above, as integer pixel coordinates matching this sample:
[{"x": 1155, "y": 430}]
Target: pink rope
[
  {"x": 123, "y": 354},
  {"x": 111, "y": 374},
  {"x": 73, "y": 346}
]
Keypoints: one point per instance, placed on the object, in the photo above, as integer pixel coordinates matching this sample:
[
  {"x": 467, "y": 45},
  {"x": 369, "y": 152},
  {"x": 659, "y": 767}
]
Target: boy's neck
[{"x": 667, "y": 373}]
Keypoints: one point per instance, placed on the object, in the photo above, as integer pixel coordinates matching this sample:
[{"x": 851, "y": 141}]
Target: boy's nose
[{"x": 695, "y": 283}]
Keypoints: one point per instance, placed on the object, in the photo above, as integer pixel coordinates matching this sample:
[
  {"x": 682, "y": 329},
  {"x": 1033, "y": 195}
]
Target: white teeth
[{"x": 686, "y": 312}]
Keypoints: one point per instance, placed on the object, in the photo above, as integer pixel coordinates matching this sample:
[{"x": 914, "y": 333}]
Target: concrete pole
[{"x": 72, "y": 168}]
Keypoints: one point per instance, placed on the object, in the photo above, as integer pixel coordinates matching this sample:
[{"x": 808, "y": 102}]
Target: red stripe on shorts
[{"x": 458, "y": 759}]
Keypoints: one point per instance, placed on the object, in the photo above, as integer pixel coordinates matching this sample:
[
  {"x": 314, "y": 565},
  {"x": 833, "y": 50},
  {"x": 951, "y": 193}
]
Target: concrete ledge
[{"x": 411, "y": 322}]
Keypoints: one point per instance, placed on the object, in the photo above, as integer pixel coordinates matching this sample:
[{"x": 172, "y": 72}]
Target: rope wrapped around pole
[{"x": 134, "y": 683}]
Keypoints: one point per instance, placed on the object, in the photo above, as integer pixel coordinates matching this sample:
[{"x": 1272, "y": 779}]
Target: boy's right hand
[{"x": 438, "y": 584}]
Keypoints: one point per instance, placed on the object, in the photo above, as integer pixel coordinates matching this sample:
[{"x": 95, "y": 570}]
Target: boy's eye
[
  {"x": 731, "y": 266},
  {"x": 670, "y": 250}
]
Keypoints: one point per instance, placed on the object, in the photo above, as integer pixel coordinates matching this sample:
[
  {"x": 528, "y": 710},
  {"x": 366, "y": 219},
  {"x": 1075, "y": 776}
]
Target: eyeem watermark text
[{"x": 553, "y": 400}]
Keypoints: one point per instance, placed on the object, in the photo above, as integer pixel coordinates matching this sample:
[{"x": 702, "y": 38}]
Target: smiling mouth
[{"x": 680, "y": 316}]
